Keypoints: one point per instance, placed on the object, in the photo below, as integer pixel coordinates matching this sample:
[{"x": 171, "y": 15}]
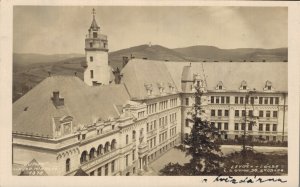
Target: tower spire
[{"x": 94, "y": 25}]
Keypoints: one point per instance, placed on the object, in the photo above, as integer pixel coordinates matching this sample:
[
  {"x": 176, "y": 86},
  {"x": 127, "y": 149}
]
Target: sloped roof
[
  {"x": 138, "y": 73},
  {"x": 233, "y": 73},
  {"x": 84, "y": 103},
  {"x": 94, "y": 26},
  {"x": 80, "y": 172}
]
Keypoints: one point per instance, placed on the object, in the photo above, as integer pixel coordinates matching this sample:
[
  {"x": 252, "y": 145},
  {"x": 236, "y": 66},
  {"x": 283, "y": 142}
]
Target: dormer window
[
  {"x": 149, "y": 89},
  {"x": 220, "y": 86},
  {"x": 95, "y": 35},
  {"x": 244, "y": 85},
  {"x": 161, "y": 87},
  {"x": 268, "y": 86}
]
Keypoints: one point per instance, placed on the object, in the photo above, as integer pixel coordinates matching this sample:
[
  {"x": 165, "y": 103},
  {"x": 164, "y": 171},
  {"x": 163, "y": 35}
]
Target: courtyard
[{"x": 175, "y": 155}]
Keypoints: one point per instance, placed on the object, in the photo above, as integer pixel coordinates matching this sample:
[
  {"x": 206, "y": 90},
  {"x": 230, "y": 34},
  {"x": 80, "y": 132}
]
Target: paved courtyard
[{"x": 175, "y": 155}]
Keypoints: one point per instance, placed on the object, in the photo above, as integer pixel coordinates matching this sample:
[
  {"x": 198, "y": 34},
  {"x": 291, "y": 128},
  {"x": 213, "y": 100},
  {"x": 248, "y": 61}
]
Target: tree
[{"x": 200, "y": 144}]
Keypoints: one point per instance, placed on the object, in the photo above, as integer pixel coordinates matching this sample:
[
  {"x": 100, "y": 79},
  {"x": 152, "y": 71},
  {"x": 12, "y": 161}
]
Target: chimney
[{"x": 57, "y": 100}]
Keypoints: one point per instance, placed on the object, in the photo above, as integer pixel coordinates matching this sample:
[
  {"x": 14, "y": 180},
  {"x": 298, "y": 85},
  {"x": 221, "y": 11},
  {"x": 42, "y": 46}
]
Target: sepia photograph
[{"x": 150, "y": 91}]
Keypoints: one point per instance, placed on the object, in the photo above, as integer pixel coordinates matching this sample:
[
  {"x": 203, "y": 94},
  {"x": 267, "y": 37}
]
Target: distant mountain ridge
[{"x": 30, "y": 69}]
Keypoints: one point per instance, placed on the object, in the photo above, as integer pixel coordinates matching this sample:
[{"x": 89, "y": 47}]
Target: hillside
[
  {"x": 211, "y": 53},
  {"x": 30, "y": 69}
]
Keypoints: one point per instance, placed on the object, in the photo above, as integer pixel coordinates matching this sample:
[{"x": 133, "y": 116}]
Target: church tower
[{"x": 97, "y": 70}]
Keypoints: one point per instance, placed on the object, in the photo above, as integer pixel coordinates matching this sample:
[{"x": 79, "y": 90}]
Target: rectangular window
[
  {"x": 212, "y": 99},
  {"x": 251, "y": 113},
  {"x": 106, "y": 169},
  {"x": 252, "y": 100},
  {"x": 260, "y": 100},
  {"x": 217, "y": 99},
  {"x": 227, "y": 100},
  {"x": 271, "y": 100},
  {"x": 219, "y": 126},
  {"x": 274, "y": 114},
  {"x": 241, "y": 100},
  {"x": 274, "y": 138},
  {"x": 222, "y": 100},
  {"x": 267, "y": 138},
  {"x": 236, "y": 126},
  {"x": 213, "y": 113},
  {"x": 225, "y": 126},
  {"x": 250, "y": 127},
  {"x": 126, "y": 160},
  {"x": 92, "y": 74},
  {"x": 260, "y": 128},
  {"x": 113, "y": 166},
  {"x": 236, "y": 100},
  {"x": 226, "y": 112},
  {"x": 268, "y": 114},
  {"x": 243, "y": 112},
  {"x": 274, "y": 127},
  {"x": 267, "y": 127},
  {"x": 243, "y": 126},
  {"x": 237, "y": 113},
  {"x": 219, "y": 112},
  {"x": 92, "y": 173},
  {"x": 276, "y": 100},
  {"x": 133, "y": 155},
  {"x": 100, "y": 171},
  {"x": 187, "y": 101},
  {"x": 212, "y": 124},
  {"x": 266, "y": 101},
  {"x": 261, "y": 113},
  {"x": 91, "y": 59},
  {"x": 186, "y": 122}
]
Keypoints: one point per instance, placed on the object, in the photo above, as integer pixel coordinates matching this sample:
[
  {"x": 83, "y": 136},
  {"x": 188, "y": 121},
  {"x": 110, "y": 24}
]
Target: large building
[{"x": 66, "y": 126}]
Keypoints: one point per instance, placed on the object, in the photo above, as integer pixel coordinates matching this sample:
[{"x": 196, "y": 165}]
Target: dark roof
[
  {"x": 80, "y": 172},
  {"x": 94, "y": 26},
  {"x": 33, "y": 168},
  {"x": 84, "y": 103}
]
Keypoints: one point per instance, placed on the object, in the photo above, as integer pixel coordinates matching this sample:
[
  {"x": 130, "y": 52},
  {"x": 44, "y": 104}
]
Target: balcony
[{"x": 101, "y": 158}]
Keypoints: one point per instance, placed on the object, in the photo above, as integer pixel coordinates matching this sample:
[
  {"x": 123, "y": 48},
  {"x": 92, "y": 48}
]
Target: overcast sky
[{"x": 52, "y": 30}]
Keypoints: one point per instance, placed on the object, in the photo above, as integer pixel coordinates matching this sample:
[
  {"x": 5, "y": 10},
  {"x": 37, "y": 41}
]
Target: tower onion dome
[{"x": 94, "y": 26}]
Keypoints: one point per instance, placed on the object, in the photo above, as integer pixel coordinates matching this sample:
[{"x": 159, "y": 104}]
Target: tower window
[
  {"x": 91, "y": 59},
  {"x": 92, "y": 74},
  {"x": 91, "y": 44},
  {"x": 95, "y": 35},
  {"x": 68, "y": 164}
]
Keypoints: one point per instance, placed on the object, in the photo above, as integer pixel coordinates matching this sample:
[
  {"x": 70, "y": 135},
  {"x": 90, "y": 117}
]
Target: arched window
[
  {"x": 100, "y": 150},
  {"x": 133, "y": 135},
  {"x": 92, "y": 153},
  {"x": 106, "y": 147},
  {"x": 83, "y": 157},
  {"x": 126, "y": 139},
  {"x": 113, "y": 144},
  {"x": 68, "y": 165}
]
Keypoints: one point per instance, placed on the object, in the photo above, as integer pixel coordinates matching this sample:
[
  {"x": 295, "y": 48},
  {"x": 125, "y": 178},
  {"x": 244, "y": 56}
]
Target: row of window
[
  {"x": 151, "y": 108},
  {"x": 173, "y": 117},
  {"x": 173, "y": 102},
  {"x": 106, "y": 169},
  {"x": 151, "y": 142},
  {"x": 267, "y": 127},
  {"x": 269, "y": 100},
  {"x": 151, "y": 125},
  {"x": 163, "y": 121},
  {"x": 262, "y": 113},
  {"x": 163, "y": 105},
  {"x": 219, "y": 125},
  {"x": 172, "y": 131},
  {"x": 220, "y": 112},
  {"x": 141, "y": 114},
  {"x": 163, "y": 137},
  {"x": 220, "y": 99},
  {"x": 267, "y": 138}
]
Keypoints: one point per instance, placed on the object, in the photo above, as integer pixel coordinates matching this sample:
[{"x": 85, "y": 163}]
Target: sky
[{"x": 62, "y": 29}]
